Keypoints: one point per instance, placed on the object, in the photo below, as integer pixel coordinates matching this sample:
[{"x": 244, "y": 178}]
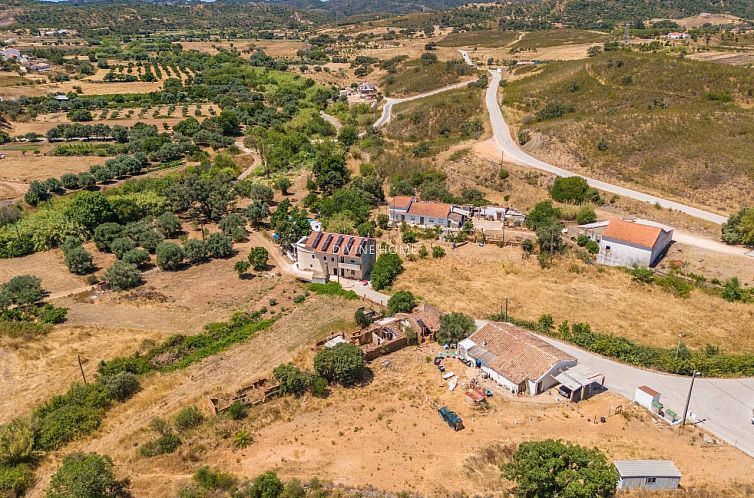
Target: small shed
[
  {"x": 475, "y": 398},
  {"x": 580, "y": 382},
  {"x": 646, "y": 396},
  {"x": 647, "y": 474}
]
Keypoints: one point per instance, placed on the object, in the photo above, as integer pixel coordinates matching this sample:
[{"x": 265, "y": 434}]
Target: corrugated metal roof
[{"x": 647, "y": 468}]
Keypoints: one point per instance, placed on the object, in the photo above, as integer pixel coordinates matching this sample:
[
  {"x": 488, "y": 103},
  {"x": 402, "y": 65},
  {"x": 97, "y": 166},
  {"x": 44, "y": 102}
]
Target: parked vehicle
[{"x": 451, "y": 418}]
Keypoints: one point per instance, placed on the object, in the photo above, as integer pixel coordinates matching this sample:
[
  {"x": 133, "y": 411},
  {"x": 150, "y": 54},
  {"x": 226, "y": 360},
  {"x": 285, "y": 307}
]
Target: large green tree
[
  {"x": 89, "y": 210},
  {"x": 740, "y": 228},
  {"x": 560, "y": 469},
  {"x": 454, "y": 327},
  {"x": 343, "y": 363},
  {"x": 387, "y": 267}
]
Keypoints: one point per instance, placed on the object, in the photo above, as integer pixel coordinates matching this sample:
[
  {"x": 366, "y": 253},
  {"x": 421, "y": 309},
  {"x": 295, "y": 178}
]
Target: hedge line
[{"x": 709, "y": 362}]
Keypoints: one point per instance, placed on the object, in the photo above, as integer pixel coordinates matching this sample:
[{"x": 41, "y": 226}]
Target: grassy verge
[
  {"x": 332, "y": 289},
  {"x": 709, "y": 362}
]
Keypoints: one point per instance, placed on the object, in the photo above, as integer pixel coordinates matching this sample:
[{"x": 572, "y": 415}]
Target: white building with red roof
[
  {"x": 426, "y": 214},
  {"x": 633, "y": 243},
  {"x": 327, "y": 255}
]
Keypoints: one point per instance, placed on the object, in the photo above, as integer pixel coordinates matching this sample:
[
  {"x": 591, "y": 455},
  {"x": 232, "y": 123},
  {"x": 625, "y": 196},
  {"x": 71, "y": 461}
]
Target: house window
[
  {"x": 650, "y": 480},
  {"x": 607, "y": 248},
  {"x": 312, "y": 256}
]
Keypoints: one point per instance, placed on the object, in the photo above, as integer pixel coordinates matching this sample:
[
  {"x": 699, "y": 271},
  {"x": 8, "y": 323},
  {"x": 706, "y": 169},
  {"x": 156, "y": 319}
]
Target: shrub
[
  {"x": 266, "y": 486},
  {"x": 241, "y": 267},
  {"x": 237, "y": 410},
  {"x": 136, "y": 257},
  {"x": 213, "y": 479},
  {"x": 454, "y": 327},
  {"x": 401, "y": 302},
  {"x": 258, "y": 258},
  {"x": 553, "y": 110},
  {"x": 188, "y": 418},
  {"x": 438, "y": 252},
  {"x": 106, "y": 233},
  {"x": 343, "y": 363},
  {"x": 387, "y": 267},
  {"x": 120, "y": 246},
  {"x": 122, "y": 385},
  {"x": 22, "y": 290},
  {"x": 69, "y": 181},
  {"x": 219, "y": 245},
  {"x": 85, "y": 474},
  {"x": 122, "y": 275},
  {"x": 15, "y": 480},
  {"x": 164, "y": 445},
  {"x": 195, "y": 251},
  {"x": 16, "y": 442},
  {"x": 241, "y": 439},
  {"x": 503, "y": 174},
  {"x": 292, "y": 379},
  {"x": 169, "y": 256},
  {"x": 361, "y": 318},
  {"x": 232, "y": 222},
  {"x": 586, "y": 215},
  {"x": 542, "y": 214},
  {"x": 168, "y": 224},
  {"x": 332, "y": 289},
  {"x": 79, "y": 261},
  {"x": 318, "y": 386},
  {"x": 739, "y": 228}
]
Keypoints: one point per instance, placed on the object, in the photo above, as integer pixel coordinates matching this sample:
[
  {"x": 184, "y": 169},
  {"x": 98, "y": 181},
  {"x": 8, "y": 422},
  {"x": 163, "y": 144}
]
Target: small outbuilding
[
  {"x": 647, "y": 397},
  {"x": 580, "y": 382},
  {"x": 647, "y": 474}
]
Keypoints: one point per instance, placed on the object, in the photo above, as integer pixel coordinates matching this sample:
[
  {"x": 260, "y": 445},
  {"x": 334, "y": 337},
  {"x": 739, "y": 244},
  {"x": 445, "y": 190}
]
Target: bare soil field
[
  {"x": 477, "y": 280},
  {"x": 733, "y": 59},
  {"x": 26, "y": 168},
  {"x": 387, "y": 434},
  {"x": 125, "y": 427},
  {"x": 698, "y": 21}
]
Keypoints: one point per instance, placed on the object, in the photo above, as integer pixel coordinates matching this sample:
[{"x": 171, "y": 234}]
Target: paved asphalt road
[
  {"x": 513, "y": 152},
  {"x": 723, "y": 406}
]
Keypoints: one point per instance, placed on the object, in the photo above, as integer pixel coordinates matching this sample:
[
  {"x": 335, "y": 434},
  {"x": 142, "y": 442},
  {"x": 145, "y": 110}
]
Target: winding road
[
  {"x": 512, "y": 152},
  {"x": 390, "y": 102}
]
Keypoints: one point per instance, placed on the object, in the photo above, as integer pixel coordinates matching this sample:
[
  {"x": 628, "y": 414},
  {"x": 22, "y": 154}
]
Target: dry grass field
[
  {"x": 163, "y": 394},
  {"x": 477, "y": 280},
  {"x": 387, "y": 434},
  {"x": 25, "y": 168}
]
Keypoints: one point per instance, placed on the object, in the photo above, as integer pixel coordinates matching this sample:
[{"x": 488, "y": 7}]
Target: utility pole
[
  {"x": 506, "y": 308},
  {"x": 677, "y": 349},
  {"x": 688, "y": 399},
  {"x": 78, "y": 356}
]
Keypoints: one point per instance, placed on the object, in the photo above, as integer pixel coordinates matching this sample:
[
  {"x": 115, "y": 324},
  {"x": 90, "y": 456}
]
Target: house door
[
  {"x": 421, "y": 220},
  {"x": 335, "y": 271}
]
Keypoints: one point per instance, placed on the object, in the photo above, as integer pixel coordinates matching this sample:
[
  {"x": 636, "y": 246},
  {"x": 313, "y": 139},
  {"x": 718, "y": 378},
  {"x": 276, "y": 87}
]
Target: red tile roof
[
  {"x": 632, "y": 233},
  {"x": 335, "y": 243},
  {"x": 401, "y": 202},
  {"x": 431, "y": 209},
  {"x": 516, "y": 353},
  {"x": 649, "y": 391}
]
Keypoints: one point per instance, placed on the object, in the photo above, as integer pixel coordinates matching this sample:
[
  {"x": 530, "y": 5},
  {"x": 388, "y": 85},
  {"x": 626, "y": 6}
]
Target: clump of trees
[
  {"x": 557, "y": 468},
  {"x": 573, "y": 189},
  {"x": 385, "y": 270},
  {"x": 21, "y": 304},
  {"x": 87, "y": 474}
]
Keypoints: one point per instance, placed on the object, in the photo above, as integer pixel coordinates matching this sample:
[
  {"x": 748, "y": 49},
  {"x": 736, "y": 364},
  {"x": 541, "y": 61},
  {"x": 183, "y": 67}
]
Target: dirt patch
[
  {"x": 388, "y": 435},
  {"x": 25, "y": 168}
]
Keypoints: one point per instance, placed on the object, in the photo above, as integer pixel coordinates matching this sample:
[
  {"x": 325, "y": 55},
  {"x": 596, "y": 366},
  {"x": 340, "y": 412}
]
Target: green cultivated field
[{"x": 672, "y": 125}]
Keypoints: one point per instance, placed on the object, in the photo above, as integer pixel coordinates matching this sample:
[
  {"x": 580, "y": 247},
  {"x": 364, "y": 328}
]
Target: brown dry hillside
[{"x": 661, "y": 123}]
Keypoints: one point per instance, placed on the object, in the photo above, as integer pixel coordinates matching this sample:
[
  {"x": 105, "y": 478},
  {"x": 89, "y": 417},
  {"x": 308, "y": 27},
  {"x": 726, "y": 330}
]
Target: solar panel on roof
[
  {"x": 361, "y": 247},
  {"x": 336, "y": 246},
  {"x": 327, "y": 242},
  {"x": 349, "y": 245},
  {"x": 316, "y": 240}
]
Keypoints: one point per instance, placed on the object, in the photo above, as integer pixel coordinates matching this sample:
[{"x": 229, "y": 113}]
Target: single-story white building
[
  {"x": 426, "y": 214},
  {"x": 633, "y": 243},
  {"x": 647, "y": 474},
  {"x": 647, "y": 397},
  {"x": 515, "y": 358}
]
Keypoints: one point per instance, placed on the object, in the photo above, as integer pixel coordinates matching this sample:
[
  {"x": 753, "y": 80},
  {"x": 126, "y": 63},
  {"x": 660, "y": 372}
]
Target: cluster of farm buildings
[{"x": 26, "y": 63}]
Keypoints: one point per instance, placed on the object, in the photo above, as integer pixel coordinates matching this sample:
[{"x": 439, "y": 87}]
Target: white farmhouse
[
  {"x": 426, "y": 214},
  {"x": 628, "y": 243},
  {"x": 515, "y": 358}
]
